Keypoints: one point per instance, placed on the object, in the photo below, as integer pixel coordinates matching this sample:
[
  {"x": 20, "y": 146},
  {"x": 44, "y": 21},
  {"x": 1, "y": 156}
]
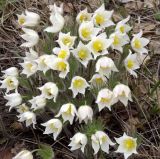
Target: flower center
[
  {"x": 99, "y": 19},
  {"x": 52, "y": 126},
  {"x": 62, "y": 54},
  {"x": 104, "y": 139},
  {"x": 29, "y": 66},
  {"x": 83, "y": 17},
  {"x": 61, "y": 66},
  {"x": 78, "y": 83},
  {"x": 122, "y": 29},
  {"x": 123, "y": 94},
  {"x": 130, "y": 64},
  {"x": 21, "y": 20},
  {"x": 67, "y": 41},
  {"x": 105, "y": 100},
  {"x": 116, "y": 40},
  {"x": 69, "y": 110},
  {"x": 99, "y": 80},
  {"x": 98, "y": 46},
  {"x": 10, "y": 83},
  {"x": 86, "y": 32},
  {"x": 137, "y": 44},
  {"x": 129, "y": 144},
  {"x": 82, "y": 54}
]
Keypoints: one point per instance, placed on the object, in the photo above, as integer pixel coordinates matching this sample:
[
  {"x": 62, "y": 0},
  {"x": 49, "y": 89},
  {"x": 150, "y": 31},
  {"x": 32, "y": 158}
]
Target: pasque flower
[
  {"x": 53, "y": 126},
  {"x": 9, "y": 83},
  {"x": 78, "y": 85},
  {"x": 30, "y": 36},
  {"x": 82, "y": 54},
  {"x": 98, "y": 80},
  {"x": 122, "y": 27},
  {"x": 22, "y": 108},
  {"x": 49, "y": 90},
  {"x": 132, "y": 63},
  {"x": 31, "y": 55},
  {"x": 105, "y": 98},
  {"x": 101, "y": 140},
  {"x": 87, "y": 31},
  {"x": 105, "y": 66},
  {"x": 66, "y": 39},
  {"x": 99, "y": 45},
  {"x": 83, "y": 16},
  {"x": 28, "y": 117},
  {"x": 138, "y": 43},
  {"x": 56, "y": 19},
  {"x": 123, "y": 93},
  {"x": 38, "y": 102},
  {"x": 85, "y": 113},
  {"x": 14, "y": 99},
  {"x": 78, "y": 141},
  {"x": 68, "y": 112},
  {"x": 102, "y": 17},
  {"x": 127, "y": 145},
  {"x": 28, "y": 19},
  {"x": 24, "y": 154}
]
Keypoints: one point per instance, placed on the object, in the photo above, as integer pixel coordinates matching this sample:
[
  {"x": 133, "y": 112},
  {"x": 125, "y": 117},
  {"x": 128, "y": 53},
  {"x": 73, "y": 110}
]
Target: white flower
[
  {"x": 53, "y": 126},
  {"x": 87, "y": 31},
  {"x": 9, "y": 83},
  {"x": 43, "y": 63},
  {"x": 85, "y": 113},
  {"x": 55, "y": 8},
  {"x": 68, "y": 112},
  {"x": 66, "y": 39},
  {"x": 14, "y": 99},
  {"x": 79, "y": 140},
  {"x": 98, "y": 80},
  {"x": 131, "y": 63},
  {"x": 127, "y": 145},
  {"x": 60, "y": 65},
  {"x": 83, "y": 16},
  {"x": 99, "y": 44},
  {"x": 122, "y": 27},
  {"x": 101, "y": 140},
  {"x": 105, "y": 98},
  {"x": 57, "y": 21},
  {"x": 105, "y": 65},
  {"x": 29, "y": 68},
  {"x": 38, "y": 102},
  {"x": 22, "y": 108},
  {"x": 12, "y": 71},
  {"x": 28, "y": 117},
  {"x": 82, "y": 54},
  {"x": 78, "y": 85},
  {"x": 31, "y": 37},
  {"x": 29, "y": 19},
  {"x": 31, "y": 55},
  {"x": 24, "y": 154},
  {"x": 119, "y": 40},
  {"x": 62, "y": 52},
  {"x": 122, "y": 93},
  {"x": 102, "y": 18},
  {"x": 49, "y": 90},
  {"x": 138, "y": 43}
]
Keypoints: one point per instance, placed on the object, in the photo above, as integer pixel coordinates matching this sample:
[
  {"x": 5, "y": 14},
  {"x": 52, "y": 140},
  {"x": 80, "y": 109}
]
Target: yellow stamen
[
  {"x": 52, "y": 126},
  {"x": 83, "y": 17},
  {"x": 62, "y": 54},
  {"x": 69, "y": 110},
  {"x": 99, "y": 80},
  {"x": 116, "y": 40},
  {"x": 29, "y": 66},
  {"x": 129, "y": 144},
  {"x": 67, "y": 41},
  {"x": 105, "y": 100},
  {"x": 82, "y": 54},
  {"x": 137, "y": 44},
  {"x": 78, "y": 83},
  {"x": 61, "y": 66},
  {"x": 99, "y": 19},
  {"x": 130, "y": 64},
  {"x": 98, "y": 46},
  {"x": 122, "y": 29},
  {"x": 104, "y": 139},
  {"x": 10, "y": 83},
  {"x": 86, "y": 32},
  {"x": 21, "y": 20}
]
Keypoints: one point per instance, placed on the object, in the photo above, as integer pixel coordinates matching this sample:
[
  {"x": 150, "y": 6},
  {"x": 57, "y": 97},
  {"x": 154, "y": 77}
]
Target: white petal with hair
[
  {"x": 24, "y": 154},
  {"x": 53, "y": 126},
  {"x": 30, "y": 36},
  {"x": 78, "y": 141},
  {"x": 12, "y": 71}
]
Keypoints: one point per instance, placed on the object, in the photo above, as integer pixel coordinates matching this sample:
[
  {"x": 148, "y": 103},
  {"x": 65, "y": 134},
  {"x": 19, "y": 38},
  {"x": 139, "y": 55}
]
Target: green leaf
[
  {"x": 45, "y": 152},
  {"x": 157, "y": 16}
]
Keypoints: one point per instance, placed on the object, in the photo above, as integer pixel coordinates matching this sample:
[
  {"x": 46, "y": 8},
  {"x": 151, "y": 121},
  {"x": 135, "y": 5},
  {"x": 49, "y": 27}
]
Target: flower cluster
[{"x": 97, "y": 37}]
